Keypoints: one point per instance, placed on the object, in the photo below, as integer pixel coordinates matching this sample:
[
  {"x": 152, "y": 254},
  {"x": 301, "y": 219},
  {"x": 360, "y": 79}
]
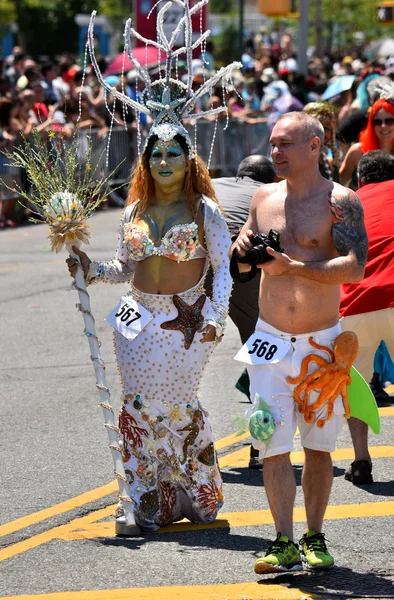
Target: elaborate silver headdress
[{"x": 168, "y": 100}]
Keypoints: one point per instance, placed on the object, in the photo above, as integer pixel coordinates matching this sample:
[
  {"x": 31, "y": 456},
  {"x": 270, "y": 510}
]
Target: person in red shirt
[
  {"x": 40, "y": 108},
  {"x": 367, "y": 307}
]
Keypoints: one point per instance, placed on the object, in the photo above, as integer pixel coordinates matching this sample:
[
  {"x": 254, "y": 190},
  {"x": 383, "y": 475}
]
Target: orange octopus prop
[{"x": 331, "y": 378}]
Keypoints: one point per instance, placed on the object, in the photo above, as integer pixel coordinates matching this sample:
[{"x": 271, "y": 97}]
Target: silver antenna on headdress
[
  {"x": 112, "y": 90},
  {"x": 168, "y": 100}
]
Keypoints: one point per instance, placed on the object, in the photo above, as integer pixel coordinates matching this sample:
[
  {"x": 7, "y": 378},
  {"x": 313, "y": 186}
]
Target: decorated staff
[{"x": 65, "y": 194}]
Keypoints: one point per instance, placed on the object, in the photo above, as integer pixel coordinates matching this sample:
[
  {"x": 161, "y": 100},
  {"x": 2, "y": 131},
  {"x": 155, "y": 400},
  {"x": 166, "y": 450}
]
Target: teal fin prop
[{"x": 362, "y": 402}]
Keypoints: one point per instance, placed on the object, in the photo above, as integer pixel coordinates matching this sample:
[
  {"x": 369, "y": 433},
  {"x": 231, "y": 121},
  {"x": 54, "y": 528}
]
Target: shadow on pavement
[
  {"x": 339, "y": 582},
  {"x": 246, "y": 476},
  {"x": 223, "y": 539},
  {"x": 380, "y": 488}
]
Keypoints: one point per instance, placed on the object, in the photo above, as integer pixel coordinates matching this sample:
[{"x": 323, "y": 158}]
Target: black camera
[{"x": 258, "y": 253}]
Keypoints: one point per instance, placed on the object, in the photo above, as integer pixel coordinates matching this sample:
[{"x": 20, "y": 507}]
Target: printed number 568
[{"x": 263, "y": 349}]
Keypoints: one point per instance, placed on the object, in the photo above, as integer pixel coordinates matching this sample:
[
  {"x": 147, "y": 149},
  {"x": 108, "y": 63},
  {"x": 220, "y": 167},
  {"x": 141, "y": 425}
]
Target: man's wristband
[{"x": 237, "y": 275}]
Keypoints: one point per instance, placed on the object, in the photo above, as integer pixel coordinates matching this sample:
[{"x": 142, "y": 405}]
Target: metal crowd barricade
[
  {"x": 231, "y": 145},
  {"x": 10, "y": 176},
  {"x": 120, "y": 157},
  {"x": 113, "y": 160}
]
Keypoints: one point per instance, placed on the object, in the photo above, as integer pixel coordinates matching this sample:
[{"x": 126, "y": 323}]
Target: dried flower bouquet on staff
[{"x": 64, "y": 191}]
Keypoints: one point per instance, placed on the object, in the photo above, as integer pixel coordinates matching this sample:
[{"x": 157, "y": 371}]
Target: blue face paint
[{"x": 170, "y": 154}]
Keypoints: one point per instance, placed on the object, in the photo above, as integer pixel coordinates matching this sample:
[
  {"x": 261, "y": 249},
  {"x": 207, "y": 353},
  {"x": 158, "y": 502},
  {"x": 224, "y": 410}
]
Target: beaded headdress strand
[{"x": 168, "y": 100}]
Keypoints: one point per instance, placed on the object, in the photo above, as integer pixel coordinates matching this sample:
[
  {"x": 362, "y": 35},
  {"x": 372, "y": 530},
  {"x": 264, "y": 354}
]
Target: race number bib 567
[
  {"x": 262, "y": 348},
  {"x": 129, "y": 317}
]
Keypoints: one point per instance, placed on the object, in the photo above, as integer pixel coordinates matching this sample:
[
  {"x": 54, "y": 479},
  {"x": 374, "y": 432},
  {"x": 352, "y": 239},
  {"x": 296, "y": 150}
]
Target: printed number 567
[
  {"x": 125, "y": 312},
  {"x": 263, "y": 349}
]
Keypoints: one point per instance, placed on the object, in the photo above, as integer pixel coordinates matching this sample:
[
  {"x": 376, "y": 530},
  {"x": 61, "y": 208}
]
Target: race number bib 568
[
  {"x": 129, "y": 317},
  {"x": 262, "y": 348}
]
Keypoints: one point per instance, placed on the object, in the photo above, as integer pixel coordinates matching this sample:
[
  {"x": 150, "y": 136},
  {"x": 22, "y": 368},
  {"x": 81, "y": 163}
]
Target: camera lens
[{"x": 257, "y": 255}]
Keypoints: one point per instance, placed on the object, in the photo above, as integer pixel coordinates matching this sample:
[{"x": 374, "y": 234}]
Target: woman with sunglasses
[{"x": 378, "y": 135}]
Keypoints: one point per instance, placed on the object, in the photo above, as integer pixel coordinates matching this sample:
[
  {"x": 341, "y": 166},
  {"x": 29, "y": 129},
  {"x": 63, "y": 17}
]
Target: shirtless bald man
[{"x": 322, "y": 232}]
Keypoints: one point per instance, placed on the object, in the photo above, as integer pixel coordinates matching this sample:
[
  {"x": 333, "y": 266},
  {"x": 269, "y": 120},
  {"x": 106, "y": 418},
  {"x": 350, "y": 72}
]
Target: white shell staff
[
  {"x": 104, "y": 392},
  {"x": 66, "y": 193}
]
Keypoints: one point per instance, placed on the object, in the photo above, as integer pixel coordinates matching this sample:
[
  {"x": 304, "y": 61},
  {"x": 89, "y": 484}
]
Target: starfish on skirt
[{"x": 189, "y": 319}]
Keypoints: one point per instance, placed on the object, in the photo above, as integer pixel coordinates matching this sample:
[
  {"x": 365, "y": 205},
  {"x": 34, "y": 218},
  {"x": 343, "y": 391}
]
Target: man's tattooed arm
[
  {"x": 350, "y": 240},
  {"x": 348, "y": 230}
]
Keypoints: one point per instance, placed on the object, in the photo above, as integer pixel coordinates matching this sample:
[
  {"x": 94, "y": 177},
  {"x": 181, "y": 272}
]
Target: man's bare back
[{"x": 321, "y": 231}]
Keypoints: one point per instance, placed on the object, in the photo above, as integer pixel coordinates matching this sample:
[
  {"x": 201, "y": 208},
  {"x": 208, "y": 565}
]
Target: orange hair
[
  {"x": 368, "y": 137},
  {"x": 197, "y": 180}
]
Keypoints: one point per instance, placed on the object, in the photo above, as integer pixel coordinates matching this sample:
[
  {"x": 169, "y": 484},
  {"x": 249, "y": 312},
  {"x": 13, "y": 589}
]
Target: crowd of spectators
[
  {"x": 56, "y": 96},
  {"x": 42, "y": 97}
]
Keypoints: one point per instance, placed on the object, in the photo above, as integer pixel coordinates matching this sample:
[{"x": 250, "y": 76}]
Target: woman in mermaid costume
[
  {"x": 171, "y": 231},
  {"x": 165, "y": 246}
]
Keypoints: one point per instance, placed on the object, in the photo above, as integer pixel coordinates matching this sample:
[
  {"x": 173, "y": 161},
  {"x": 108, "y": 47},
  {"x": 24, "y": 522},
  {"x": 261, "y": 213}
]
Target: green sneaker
[
  {"x": 314, "y": 551},
  {"x": 282, "y": 555}
]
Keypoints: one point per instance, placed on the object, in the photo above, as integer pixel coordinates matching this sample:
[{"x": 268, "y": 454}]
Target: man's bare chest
[{"x": 305, "y": 225}]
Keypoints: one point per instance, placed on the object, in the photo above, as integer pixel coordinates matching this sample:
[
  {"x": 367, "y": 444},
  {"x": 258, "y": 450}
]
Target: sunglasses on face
[{"x": 379, "y": 122}]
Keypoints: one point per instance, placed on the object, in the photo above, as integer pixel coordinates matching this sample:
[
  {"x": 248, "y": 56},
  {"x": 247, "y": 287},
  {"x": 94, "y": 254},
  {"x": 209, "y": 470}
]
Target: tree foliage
[
  {"x": 343, "y": 18},
  {"x": 7, "y": 13},
  {"x": 221, "y": 6},
  {"x": 226, "y": 43},
  {"x": 48, "y": 28}
]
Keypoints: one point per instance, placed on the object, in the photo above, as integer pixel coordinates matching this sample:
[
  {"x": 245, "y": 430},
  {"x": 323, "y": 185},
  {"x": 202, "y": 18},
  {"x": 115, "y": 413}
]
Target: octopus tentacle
[
  {"x": 319, "y": 347},
  {"x": 305, "y": 365},
  {"x": 306, "y": 386},
  {"x": 330, "y": 408},
  {"x": 313, "y": 377},
  {"x": 309, "y": 417},
  {"x": 328, "y": 388},
  {"x": 331, "y": 379},
  {"x": 345, "y": 400}
]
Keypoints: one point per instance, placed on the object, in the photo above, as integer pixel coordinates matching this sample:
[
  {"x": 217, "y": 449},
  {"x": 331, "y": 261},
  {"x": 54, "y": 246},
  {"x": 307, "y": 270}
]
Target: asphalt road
[{"x": 56, "y": 534}]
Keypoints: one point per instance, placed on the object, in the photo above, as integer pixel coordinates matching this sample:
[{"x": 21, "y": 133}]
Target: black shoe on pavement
[
  {"x": 254, "y": 462},
  {"x": 360, "y": 473},
  {"x": 381, "y": 396}
]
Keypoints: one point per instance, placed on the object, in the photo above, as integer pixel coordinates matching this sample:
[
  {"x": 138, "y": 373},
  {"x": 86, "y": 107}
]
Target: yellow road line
[
  {"x": 240, "y": 458},
  {"x": 6, "y": 268},
  {"x": 230, "y": 440},
  {"x": 232, "y": 591},
  {"x": 237, "y": 458},
  {"x": 91, "y": 496},
  {"x": 386, "y": 411},
  {"x": 250, "y": 518},
  {"x": 57, "y": 509},
  {"x": 60, "y": 532},
  {"x": 87, "y": 527}
]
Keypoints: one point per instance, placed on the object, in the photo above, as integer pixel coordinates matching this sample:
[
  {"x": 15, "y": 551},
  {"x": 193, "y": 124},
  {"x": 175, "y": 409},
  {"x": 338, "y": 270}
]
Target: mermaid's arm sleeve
[
  {"x": 217, "y": 238},
  {"x": 121, "y": 268}
]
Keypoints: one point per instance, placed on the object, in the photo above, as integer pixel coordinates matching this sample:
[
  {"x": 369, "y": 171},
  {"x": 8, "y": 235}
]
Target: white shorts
[
  {"x": 370, "y": 328},
  {"x": 269, "y": 381}
]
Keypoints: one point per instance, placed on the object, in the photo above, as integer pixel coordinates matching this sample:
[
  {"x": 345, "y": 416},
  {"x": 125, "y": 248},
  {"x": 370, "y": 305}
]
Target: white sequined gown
[{"x": 168, "y": 449}]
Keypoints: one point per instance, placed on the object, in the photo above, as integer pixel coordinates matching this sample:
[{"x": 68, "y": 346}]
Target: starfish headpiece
[{"x": 168, "y": 100}]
